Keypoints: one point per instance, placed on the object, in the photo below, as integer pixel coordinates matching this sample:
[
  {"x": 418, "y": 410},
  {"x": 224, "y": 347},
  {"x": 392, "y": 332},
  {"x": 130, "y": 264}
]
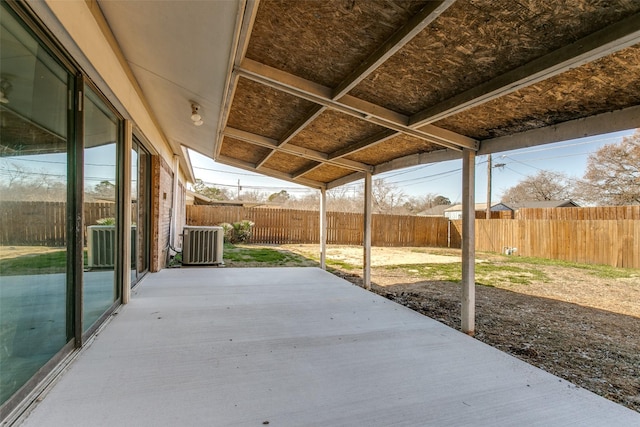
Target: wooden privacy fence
[
  {"x": 611, "y": 242},
  {"x": 591, "y": 213},
  {"x": 280, "y": 226},
  {"x": 43, "y": 223}
]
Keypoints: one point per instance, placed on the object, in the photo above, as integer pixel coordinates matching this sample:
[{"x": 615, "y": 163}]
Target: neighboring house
[
  {"x": 434, "y": 211},
  {"x": 455, "y": 211},
  {"x": 194, "y": 198},
  {"x": 542, "y": 204}
]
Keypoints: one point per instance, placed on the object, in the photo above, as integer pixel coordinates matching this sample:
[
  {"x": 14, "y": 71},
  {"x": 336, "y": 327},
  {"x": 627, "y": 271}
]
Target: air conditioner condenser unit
[{"x": 202, "y": 245}]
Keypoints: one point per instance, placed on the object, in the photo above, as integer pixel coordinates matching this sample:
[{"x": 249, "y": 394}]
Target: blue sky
[{"x": 445, "y": 178}]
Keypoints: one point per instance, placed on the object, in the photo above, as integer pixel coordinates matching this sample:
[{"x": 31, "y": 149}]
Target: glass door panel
[
  {"x": 33, "y": 205},
  {"x": 140, "y": 200},
  {"x": 100, "y": 207}
]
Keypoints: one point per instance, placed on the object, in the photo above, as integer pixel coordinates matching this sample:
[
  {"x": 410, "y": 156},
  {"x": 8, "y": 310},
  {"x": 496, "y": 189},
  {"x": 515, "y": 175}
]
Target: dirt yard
[{"x": 576, "y": 322}]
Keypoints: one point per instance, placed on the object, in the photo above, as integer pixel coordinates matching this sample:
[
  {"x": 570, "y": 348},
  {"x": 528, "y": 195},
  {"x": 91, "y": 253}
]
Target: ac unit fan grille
[{"x": 202, "y": 246}]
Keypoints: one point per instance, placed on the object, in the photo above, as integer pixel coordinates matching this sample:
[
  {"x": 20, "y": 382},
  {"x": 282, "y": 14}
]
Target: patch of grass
[
  {"x": 46, "y": 263},
  {"x": 487, "y": 273},
  {"x": 596, "y": 270},
  {"x": 342, "y": 264},
  {"x": 237, "y": 254}
]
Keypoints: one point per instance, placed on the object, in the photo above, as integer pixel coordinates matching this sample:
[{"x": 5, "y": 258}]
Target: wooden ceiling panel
[
  {"x": 287, "y": 163},
  {"x": 610, "y": 83},
  {"x": 242, "y": 150},
  {"x": 323, "y": 41},
  {"x": 400, "y": 146},
  {"x": 474, "y": 41},
  {"x": 332, "y": 131},
  {"x": 327, "y": 173},
  {"x": 328, "y": 90},
  {"x": 265, "y": 111}
]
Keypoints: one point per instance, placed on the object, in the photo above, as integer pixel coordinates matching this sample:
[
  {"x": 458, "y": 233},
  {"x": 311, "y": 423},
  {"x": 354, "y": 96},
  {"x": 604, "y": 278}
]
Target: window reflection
[
  {"x": 33, "y": 195},
  {"x": 101, "y": 133}
]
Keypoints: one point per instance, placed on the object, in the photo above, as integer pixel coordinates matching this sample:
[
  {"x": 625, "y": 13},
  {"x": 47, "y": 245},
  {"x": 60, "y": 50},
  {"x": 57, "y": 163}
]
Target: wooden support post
[
  {"x": 468, "y": 242},
  {"x": 366, "y": 274},
  {"x": 323, "y": 229}
]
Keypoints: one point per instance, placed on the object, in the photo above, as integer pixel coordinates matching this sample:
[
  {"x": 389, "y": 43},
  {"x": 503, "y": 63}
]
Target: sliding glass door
[
  {"x": 60, "y": 181},
  {"x": 140, "y": 210},
  {"x": 101, "y": 133},
  {"x": 35, "y": 302}
]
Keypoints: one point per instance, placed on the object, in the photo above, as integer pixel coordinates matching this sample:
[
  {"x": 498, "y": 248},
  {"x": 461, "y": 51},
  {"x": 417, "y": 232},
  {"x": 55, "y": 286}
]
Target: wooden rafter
[
  {"x": 365, "y": 143},
  {"x": 614, "y": 121},
  {"x": 247, "y": 12},
  {"x": 400, "y": 38},
  {"x": 306, "y": 153},
  {"x": 590, "y": 48},
  {"x": 348, "y": 104},
  {"x": 296, "y": 129},
  {"x": 270, "y": 172},
  {"x": 306, "y": 170}
]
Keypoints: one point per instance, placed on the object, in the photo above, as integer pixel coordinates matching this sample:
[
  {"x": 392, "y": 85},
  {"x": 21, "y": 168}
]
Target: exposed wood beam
[
  {"x": 345, "y": 180},
  {"x": 365, "y": 143},
  {"x": 350, "y": 105},
  {"x": 304, "y": 122},
  {"x": 417, "y": 159},
  {"x": 615, "y": 121},
  {"x": 594, "y": 46},
  {"x": 400, "y": 38},
  {"x": 306, "y": 170},
  {"x": 388, "y": 134},
  {"x": 296, "y": 129},
  {"x": 247, "y": 12},
  {"x": 412, "y": 28},
  {"x": 306, "y": 153},
  {"x": 270, "y": 172}
]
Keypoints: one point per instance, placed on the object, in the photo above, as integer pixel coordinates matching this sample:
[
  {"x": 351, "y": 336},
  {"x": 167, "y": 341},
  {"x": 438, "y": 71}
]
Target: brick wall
[{"x": 162, "y": 195}]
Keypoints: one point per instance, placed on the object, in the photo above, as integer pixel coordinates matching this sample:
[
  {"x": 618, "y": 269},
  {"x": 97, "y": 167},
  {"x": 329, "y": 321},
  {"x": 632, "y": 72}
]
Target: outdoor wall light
[
  {"x": 195, "y": 114},
  {"x": 5, "y": 88}
]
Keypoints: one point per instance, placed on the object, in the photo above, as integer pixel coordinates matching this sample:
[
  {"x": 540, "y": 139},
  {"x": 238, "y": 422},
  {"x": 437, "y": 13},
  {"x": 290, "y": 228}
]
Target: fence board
[
  {"x": 279, "y": 226},
  {"x": 603, "y": 235},
  {"x": 610, "y": 242},
  {"x": 43, "y": 223},
  {"x": 580, "y": 214}
]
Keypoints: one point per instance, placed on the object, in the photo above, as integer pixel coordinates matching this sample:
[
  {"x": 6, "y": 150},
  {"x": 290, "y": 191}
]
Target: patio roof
[
  {"x": 319, "y": 93},
  {"x": 299, "y": 346}
]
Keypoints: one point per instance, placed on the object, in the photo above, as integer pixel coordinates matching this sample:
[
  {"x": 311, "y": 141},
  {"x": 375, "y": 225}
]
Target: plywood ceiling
[{"x": 325, "y": 91}]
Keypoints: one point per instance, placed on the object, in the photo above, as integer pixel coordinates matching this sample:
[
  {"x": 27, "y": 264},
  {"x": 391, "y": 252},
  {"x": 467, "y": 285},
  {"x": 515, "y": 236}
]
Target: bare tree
[
  {"x": 210, "y": 191},
  {"x": 280, "y": 197},
  {"x": 545, "y": 185},
  {"x": 612, "y": 176},
  {"x": 387, "y": 198},
  {"x": 18, "y": 183},
  {"x": 418, "y": 204}
]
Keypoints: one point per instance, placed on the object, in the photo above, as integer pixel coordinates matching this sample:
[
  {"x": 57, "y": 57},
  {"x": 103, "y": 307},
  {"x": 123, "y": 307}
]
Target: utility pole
[
  {"x": 489, "y": 186},
  {"x": 239, "y": 188}
]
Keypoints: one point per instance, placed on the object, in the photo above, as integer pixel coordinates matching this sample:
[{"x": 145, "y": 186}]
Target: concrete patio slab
[{"x": 299, "y": 347}]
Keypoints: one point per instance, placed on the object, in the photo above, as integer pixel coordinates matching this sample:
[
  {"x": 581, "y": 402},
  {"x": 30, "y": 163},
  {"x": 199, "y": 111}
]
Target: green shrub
[
  {"x": 242, "y": 231},
  {"x": 228, "y": 232},
  {"x": 106, "y": 221},
  {"x": 238, "y": 232}
]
